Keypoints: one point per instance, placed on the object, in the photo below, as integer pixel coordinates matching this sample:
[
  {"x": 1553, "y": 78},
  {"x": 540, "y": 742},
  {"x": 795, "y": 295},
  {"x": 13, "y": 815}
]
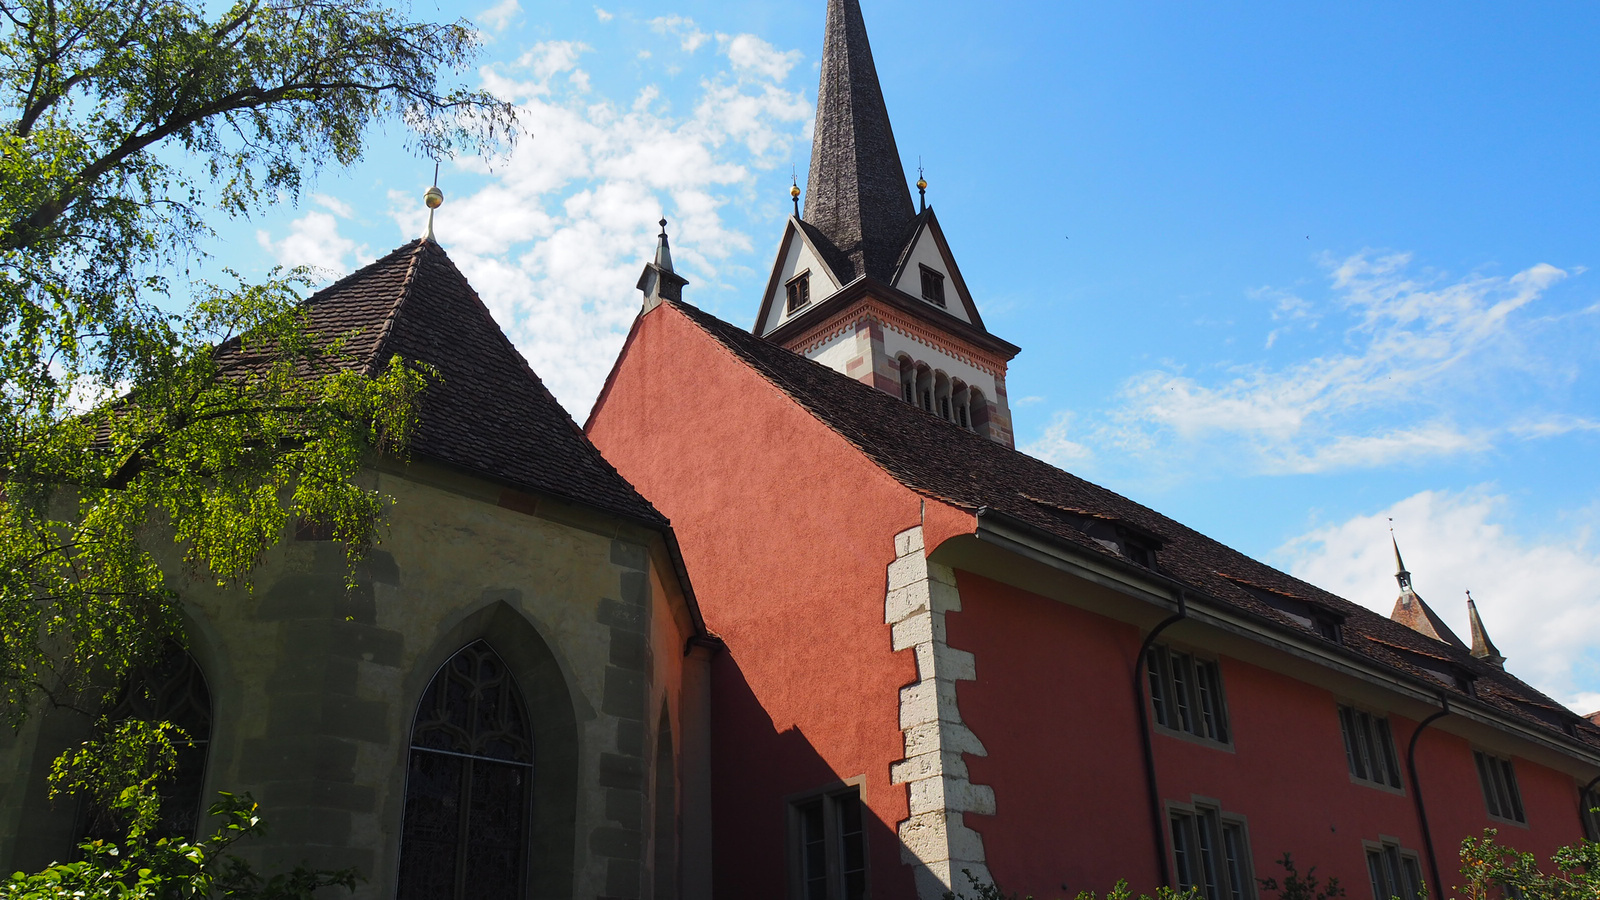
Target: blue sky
[{"x": 1279, "y": 272}]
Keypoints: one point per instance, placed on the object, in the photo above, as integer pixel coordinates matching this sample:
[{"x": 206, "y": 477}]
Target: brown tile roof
[
  {"x": 489, "y": 413},
  {"x": 937, "y": 459}
]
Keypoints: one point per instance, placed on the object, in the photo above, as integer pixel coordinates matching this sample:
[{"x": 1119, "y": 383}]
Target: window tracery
[{"x": 468, "y": 784}]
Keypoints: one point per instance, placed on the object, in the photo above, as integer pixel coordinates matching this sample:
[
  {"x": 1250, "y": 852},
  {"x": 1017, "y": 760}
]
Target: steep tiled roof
[
  {"x": 488, "y": 412},
  {"x": 935, "y": 458}
]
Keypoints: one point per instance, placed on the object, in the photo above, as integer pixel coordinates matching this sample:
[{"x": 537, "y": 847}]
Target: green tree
[
  {"x": 1493, "y": 871},
  {"x": 125, "y": 125}
]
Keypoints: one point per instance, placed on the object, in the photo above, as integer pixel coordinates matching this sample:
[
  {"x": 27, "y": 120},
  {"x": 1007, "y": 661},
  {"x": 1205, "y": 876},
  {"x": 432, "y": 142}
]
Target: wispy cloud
[
  {"x": 499, "y": 16},
  {"x": 1056, "y": 445},
  {"x": 314, "y": 240},
  {"x": 558, "y": 234},
  {"x": 689, "y": 35},
  {"x": 1396, "y": 389},
  {"x": 1539, "y": 598}
]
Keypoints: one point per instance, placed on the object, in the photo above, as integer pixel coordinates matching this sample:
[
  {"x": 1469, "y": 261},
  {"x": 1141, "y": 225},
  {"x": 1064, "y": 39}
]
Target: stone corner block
[{"x": 908, "y": 542}]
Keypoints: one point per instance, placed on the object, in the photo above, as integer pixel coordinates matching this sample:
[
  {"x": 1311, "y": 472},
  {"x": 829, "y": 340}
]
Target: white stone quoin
[{"x": 935, "y": 838}]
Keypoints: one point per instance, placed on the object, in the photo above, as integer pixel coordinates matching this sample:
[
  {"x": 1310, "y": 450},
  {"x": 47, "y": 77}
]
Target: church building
[
  {"x": 948, "y": 661},
  {"x": 512, "y": 702}
]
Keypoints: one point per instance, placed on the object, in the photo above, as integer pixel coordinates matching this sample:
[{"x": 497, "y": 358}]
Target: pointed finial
[
  {"x": 663, "y": 252},
  {"x": 794, "y": 191},
  {"x": 1482, "y": 647},
  {"x": 1400, "y": 573},
  {"x": 433, "y": 198},
  {"x": 922, "y": 188}
]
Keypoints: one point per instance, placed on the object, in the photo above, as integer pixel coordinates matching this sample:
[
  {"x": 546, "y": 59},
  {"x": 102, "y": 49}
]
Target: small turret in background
[
  {"x": 1482, "y": 647},
  {"x": 1412, "y": 612},
  {"x": 658, "y": 282}
]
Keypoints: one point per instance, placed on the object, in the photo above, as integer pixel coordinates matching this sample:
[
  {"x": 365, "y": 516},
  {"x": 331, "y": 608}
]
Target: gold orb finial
[
  {"x": 434, "y": 198},
  {"x": 794, "y": 190},
  {"x": 922, "y": 184}
]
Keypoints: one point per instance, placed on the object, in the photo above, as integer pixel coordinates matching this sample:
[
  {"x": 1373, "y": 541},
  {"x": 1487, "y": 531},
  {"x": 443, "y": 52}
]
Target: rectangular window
[
  {"x": 1395, "y": 873},
  {"x": 932, "y": 286},
  {"x": 1500, "y": 792},
  {"x": 1369, "y": 747},
  {"x": 1210, "y": 852},
  {"x": 829, "y": 856},
  {"x": 799, "y": 288},
  {"x": 1591, "y": 815},
  {"x": 1186, "y": 694}
]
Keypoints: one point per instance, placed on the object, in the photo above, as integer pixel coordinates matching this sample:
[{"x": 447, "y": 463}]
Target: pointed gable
[
  {"x": 928, "y": 253},
  {"x": 856, "y": 193},
  {"x": 488, "y": 412},
  {"x": 1482, "y": 647}
]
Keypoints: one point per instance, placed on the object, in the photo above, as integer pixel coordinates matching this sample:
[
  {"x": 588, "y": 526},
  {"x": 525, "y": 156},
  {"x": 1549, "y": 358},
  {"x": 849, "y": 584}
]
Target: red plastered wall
[
  {"x": 1053, "y": 704},
  {"x": 787, "y": 532}
]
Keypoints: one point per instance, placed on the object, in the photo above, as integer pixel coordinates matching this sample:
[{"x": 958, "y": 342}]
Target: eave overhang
[{"x": 1162, "y": 592}]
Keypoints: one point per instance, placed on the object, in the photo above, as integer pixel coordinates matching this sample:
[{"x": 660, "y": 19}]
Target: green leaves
[{"x": 143, "y": 867}]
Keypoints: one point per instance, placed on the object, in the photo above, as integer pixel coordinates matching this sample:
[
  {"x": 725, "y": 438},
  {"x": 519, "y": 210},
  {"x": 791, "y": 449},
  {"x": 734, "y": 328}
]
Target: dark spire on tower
[
  {"x": 1482, "y": 647},
  {"x": 856, "y": 195}
]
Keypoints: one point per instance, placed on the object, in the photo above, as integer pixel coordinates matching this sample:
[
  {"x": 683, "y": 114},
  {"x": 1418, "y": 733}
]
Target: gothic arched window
[
  {"x": 468, "y": 784},
  {"x": 173, "y": 691}
]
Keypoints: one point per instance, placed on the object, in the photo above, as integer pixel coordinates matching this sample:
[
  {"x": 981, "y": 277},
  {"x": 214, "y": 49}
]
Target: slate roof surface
[
  {"x": 856, "y": 193},
  {"x": 489, "y": 413},
  {"x": 938, "y": 459}
]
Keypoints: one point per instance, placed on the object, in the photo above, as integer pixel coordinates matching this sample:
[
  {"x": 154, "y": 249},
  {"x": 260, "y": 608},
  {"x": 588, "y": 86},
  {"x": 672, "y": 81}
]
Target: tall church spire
[{"x": 856, "y": 195}]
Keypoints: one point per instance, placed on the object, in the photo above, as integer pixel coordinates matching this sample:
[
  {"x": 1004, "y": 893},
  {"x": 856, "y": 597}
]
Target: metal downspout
[
  {"x": 1416, "y": 789},
  {"x": 1158, "y": 822},
  {"x": 1583, "y": 801}
]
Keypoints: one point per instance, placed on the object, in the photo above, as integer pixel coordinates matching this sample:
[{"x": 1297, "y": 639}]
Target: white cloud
[
  {"x": 751, "y": 54},
  {"x": 1400, "y": 388},
  {"x": 314, "y": 240},
  {"x": 334, "y": 205},
  {"x": 1540, "y": 599},
  {"x": 555, "y": 240},
  {"x": 689, "y": 35},
  {"x": 1055, "y": 446},
  {"x": 602, "y": 15},
  {"x": 499, "y": 16}
]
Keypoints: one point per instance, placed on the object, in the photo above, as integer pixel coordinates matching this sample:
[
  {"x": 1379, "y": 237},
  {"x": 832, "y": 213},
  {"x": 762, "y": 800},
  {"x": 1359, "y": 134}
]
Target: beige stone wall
[{"x": 314, "y": 686}]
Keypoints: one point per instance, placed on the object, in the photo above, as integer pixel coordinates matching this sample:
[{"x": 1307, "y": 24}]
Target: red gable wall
[{"x": 787, "y": 532}]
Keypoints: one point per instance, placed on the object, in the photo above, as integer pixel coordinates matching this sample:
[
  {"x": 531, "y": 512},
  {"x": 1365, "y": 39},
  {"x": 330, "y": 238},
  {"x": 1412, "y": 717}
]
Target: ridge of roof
[
  {"x": 488, "y": 412},
  {"x": 941, "y": 461},
  {"x": 856, "y": 192}
]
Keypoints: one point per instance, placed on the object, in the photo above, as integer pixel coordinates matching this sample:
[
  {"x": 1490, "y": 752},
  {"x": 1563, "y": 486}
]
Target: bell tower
[{"x": 865, "y": 283}]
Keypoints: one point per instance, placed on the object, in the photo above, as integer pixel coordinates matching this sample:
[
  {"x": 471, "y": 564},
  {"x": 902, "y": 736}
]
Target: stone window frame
[
  {"x": 792, "y": 834},
  {"x": 1384, "y": 844},
  {"x": 1507, "y": 768},
  {"x": 797, "y": 286},
  {"x": 1196, "y": 808},
  {"x": 553, "y": 717},
  {"x": 1197, "y": 654},
  {"x": 1394, "y": 751}
]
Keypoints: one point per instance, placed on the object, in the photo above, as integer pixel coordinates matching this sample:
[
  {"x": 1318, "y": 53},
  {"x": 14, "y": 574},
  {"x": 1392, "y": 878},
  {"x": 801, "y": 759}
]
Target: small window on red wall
[{"x": 828, "y": 846}]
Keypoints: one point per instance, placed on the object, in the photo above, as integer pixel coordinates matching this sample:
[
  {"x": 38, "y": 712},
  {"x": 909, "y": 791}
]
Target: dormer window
[
  {"x": 933, "y": 287},
  {"x": 799, "y": 288}
]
